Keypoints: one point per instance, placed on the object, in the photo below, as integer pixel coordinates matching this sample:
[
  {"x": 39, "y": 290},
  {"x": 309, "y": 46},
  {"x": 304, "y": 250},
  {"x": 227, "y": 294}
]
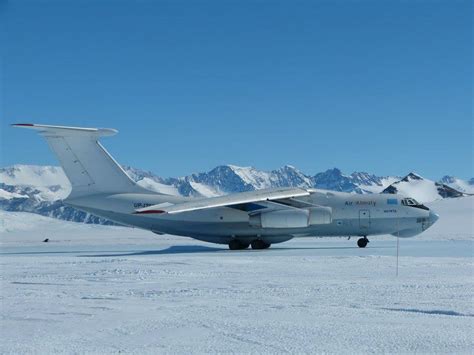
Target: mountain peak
[
  {"x": 237, "y": 167},
  {"x": 447, "y": 179},
  {"x": 423, "y": 190},
  {"x": 333, "y": 179},
  {"x": 335, "y": 171},
  {"x": 412, "y": 176}
]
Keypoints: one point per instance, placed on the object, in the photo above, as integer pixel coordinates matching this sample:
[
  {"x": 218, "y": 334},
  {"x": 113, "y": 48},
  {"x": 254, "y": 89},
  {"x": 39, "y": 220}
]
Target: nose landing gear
[{"x": 362, "y": 242}]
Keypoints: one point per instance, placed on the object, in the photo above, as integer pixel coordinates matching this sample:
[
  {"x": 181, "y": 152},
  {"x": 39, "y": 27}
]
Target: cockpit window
[
  {"x": 413, "y": 203},
  {"x": 410, "y": 202}
]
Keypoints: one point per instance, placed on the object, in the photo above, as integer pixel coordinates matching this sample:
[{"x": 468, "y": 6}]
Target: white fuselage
[{"x": 350, "y": 215}]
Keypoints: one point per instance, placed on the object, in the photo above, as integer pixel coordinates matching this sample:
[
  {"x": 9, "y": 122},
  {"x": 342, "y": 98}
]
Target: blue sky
[{"x": 378, "y": 86}]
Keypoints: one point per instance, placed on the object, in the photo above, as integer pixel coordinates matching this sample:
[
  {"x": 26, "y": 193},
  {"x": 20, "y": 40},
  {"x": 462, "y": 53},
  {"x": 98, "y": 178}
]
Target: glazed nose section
[{"x": 433, "y": 217}]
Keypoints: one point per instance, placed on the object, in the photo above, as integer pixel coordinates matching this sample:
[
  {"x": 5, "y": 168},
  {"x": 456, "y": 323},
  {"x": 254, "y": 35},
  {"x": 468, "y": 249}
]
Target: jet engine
[{"x": 320, "y": 215}]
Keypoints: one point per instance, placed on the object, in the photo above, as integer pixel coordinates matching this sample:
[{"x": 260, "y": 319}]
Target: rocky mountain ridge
[{"x": 40, "y": 189}]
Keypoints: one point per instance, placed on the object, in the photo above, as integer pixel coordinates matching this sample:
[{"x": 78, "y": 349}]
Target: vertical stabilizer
[{"x": 88, "y": 166}]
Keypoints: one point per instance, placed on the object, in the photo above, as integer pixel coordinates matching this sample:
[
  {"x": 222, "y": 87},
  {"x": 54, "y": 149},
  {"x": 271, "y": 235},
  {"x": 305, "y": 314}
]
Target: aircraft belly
[{"x": 240, "y": 227}]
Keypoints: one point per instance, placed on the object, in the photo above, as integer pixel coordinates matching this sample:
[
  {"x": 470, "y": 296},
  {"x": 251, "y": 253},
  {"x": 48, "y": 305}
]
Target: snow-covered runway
[{"x": 179, "y": 295}]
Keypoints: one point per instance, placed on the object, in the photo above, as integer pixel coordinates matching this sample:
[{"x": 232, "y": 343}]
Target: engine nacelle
[
  {"x": 281, "y": 219},
  {"x": 292, "y": 218},
  {"x": 320, "y": 215}
]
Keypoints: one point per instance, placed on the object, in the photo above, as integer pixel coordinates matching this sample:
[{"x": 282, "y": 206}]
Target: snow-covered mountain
[
  {"x": 40, "y": 189},
  {"x": 458, "y": 184},
  {"x": 49, "y": 182},
  {"x": 227, "y": 179},
  {"x": 422, "y": 189},
  {"x": 371, "y": 183},
  {"x": 357, "y": 182}
]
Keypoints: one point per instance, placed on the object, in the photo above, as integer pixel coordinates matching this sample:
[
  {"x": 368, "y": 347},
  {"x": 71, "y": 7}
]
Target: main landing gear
[
  {"x": 259, "y": 244},
  {"x": 362, "y": 242},
  {"x": 235, "y": 244}
]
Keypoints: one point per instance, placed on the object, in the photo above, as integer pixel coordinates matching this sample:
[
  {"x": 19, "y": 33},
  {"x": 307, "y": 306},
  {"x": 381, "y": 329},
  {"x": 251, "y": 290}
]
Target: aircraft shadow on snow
[
  {"x": 181, "y": 249},
  {"x": 190, "y": 249},
  {"x": 177, "y": 249}
]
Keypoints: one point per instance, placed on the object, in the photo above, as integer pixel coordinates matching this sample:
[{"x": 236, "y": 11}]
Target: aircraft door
[{"x": 364, "y": 220}]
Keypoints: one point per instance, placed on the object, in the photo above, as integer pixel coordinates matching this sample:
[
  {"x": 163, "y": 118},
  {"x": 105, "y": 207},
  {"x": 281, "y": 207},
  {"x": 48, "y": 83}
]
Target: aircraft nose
[{"x": 433, "y": 217}]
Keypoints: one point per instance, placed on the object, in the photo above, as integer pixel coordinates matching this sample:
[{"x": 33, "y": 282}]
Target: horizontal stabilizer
[{"x": 48, "y": 130}]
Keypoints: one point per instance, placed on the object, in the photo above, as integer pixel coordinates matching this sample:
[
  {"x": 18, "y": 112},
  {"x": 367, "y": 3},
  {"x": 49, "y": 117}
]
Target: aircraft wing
[{"x": 246, "y": 201}]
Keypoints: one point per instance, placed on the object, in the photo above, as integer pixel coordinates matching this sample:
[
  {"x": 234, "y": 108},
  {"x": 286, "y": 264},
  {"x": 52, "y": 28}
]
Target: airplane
[{"x": 254, "y": 218}]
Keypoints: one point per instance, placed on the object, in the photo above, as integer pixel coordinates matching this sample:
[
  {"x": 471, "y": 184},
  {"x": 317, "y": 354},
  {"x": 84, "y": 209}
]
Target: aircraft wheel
[
  {"x": 234, "y": 244},
  {"x": 260, "y": 244},
  {"x": 362, "y": 242}
]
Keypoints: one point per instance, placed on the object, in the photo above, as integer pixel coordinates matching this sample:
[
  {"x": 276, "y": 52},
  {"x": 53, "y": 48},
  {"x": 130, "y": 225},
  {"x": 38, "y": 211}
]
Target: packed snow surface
[
  {"x": 456, "y": 219},
  {"x": 99, "y": 289}
]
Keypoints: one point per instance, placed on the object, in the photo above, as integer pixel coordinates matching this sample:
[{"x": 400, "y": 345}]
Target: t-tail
[{"x": 88, "y": 166}]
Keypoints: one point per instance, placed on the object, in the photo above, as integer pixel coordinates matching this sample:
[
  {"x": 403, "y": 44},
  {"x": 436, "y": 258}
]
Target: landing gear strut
[
  {"x": 362, "y": 242},
  {"x": 259, "y": 244},
  {"x": 234, "y": 244}
]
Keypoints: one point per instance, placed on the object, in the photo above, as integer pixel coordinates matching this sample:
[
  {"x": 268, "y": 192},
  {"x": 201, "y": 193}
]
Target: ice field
[{"x": 98, "y": 289}]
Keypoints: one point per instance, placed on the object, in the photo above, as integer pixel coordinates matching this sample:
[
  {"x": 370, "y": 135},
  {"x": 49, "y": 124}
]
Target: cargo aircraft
[{"x": 255, "y": 218}]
